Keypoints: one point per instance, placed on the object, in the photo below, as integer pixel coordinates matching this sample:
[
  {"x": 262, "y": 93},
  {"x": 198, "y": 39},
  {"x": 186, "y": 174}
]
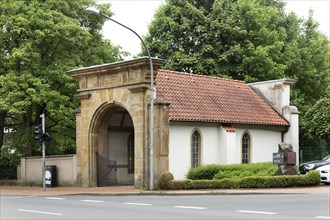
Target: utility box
[{"x": 51, "y": 176}]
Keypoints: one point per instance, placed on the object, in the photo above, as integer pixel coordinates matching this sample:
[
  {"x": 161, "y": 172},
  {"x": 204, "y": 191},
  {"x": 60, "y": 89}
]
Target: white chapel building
[{"x": 198, "y": 120}]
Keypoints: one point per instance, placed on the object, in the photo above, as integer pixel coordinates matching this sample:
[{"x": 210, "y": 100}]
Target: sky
[{"x": 137, "y": 15}]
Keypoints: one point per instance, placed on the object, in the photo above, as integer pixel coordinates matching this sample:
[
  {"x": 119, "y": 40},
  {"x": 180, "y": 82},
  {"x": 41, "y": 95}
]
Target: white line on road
[
  {"x": 39, "y": 212},
  {"x": 16, "y": 197},
  {"x": 87, "y": 200},
  {"x": 257, "y": 212},
  {"x": 189, "y": 207},
  {"x": 132, "y": 203},
  {"x": 54, "y": 198},
  {"x": 322, "y": 217}
]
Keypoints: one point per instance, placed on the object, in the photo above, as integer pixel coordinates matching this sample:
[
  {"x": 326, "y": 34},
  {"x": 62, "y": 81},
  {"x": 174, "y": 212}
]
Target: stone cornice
[
  {"x": 83, "y": 96},
  {"x": 138, "y": 88},
  {"x": 115, "y": 66}
]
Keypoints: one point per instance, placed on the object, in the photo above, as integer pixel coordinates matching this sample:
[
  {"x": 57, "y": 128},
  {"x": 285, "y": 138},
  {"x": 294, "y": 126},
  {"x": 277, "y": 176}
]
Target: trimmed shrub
[
  {"x": 310, "y": 179},
  {"x": 233, "y": 171},
  {"x": 205, "y": 184},
  {"x": 165, "y": 179},
  {"x": 205, "y": 172},
  {"x": 233, "y": 174},
  {"x": 225, "y": 184}
]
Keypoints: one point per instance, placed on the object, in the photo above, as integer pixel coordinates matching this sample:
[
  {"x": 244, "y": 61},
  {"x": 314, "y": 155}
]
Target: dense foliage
[
  {"x": 310, "y": 179},
  {"x": 217, "y": 171},
  {"x": 251, "y": 40},
  {"x": 8, "y": 163},
  {"x": 39, "y": 41},
  {"x": 317, "y": 126},
  {"x": 165, "y": 179}
]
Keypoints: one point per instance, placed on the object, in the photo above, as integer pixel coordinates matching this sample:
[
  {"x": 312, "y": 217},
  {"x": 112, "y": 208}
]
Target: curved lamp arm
[{"x": 96, "y": 11}]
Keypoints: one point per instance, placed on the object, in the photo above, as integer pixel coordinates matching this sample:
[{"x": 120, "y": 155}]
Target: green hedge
[
  {"x": 234, "y": 171},
  {"x": 310, "y": 179},
  {"x": 205, "y": 172},
  {"x": 204, "y": 184}
]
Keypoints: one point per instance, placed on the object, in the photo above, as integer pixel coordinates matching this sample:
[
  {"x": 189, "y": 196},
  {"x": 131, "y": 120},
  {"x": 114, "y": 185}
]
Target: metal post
[
  {"x": 96, "y": 11},
  {"x": 43, "y": 152}
]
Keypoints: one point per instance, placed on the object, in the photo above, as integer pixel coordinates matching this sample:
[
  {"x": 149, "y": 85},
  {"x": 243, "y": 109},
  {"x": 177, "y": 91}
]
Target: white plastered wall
[
  {"x": 263, "y": 144},
  {"x": 180, "y": 144},
  {"x": 218, "y": 146}
]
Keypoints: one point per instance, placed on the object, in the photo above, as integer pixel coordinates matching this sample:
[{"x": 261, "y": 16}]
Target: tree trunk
[
  {"x": 27, "y": 126},
  {"x": 2, "y": 127}
]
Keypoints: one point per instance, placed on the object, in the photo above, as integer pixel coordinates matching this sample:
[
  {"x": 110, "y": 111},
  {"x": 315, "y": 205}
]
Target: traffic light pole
[{"x": 42, "y": 116}]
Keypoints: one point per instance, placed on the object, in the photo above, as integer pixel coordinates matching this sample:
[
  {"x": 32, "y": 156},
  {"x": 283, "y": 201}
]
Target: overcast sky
[{"x": 137, "y": 14}]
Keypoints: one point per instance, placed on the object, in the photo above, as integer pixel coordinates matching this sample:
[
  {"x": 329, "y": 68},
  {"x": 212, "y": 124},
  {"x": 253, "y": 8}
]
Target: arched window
[
  {"x": 130, "y": 156},
  {"x": 246, "y": 148},
  {"x": 195, "y": 149}
]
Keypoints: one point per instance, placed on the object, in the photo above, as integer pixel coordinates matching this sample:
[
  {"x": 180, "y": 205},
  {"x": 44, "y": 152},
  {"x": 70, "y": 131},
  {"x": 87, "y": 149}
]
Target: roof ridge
[{"x": 200, "y": 75}]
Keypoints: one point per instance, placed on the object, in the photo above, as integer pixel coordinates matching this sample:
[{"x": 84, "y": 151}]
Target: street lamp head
[{"x": 93, "y": 10}]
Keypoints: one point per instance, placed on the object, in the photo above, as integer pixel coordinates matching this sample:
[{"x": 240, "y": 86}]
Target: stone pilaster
[{"x": 161, "y": 138}]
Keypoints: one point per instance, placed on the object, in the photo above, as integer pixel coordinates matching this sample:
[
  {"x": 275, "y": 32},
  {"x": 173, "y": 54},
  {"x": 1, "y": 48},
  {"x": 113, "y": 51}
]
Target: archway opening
[{"x": 116, "y": 148}]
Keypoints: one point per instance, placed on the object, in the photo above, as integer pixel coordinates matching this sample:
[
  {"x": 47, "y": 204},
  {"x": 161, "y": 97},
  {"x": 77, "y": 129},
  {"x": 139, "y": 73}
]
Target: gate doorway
[{"x": 116, "y": 157}]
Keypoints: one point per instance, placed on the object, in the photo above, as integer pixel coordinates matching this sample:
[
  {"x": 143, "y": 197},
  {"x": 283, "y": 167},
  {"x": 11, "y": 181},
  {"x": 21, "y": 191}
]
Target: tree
[
  {"x": 317, "y": 126},
  {"x": 250, "y": 40},
  {"x": 232, "y": 37},
  {"x": 39, "y": 41}
]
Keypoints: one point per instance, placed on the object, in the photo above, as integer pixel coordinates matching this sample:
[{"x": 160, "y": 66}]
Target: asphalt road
[{"x": 265, "y": 206}]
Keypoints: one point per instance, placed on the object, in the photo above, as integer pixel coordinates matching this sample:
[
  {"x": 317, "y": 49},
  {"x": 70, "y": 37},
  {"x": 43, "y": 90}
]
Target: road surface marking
[
  {"x": 54, "y": 198},
  {"x": 12, "y": 197},
  {"x": 16, "y": 197},
  {"x": 87, "y": 200},
  {"x": 189, "y": 207},
  {"x": 257, "y": 212},
  {"x": 322, "y": 217},
  {"x": 39, "y": 212},
  {"x": 133, "y": 203}
]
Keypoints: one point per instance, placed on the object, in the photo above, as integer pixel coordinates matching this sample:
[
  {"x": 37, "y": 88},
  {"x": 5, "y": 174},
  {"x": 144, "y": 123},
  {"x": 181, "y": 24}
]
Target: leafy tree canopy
[
  {"x": 39, "y": 41},
  {"x": 250, "y": 40}
]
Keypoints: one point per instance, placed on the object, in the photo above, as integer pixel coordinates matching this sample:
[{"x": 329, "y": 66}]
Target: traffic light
[
  {"x": 38, "y": 132},
  {"x": 46, "y": 136}
]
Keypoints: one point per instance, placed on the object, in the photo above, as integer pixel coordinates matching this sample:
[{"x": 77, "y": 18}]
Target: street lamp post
[{"x": 96, "y": 11}]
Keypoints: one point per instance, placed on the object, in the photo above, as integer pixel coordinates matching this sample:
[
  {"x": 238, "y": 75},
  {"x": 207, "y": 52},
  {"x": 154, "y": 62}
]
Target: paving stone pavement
[{"x": 130, "y": 190}]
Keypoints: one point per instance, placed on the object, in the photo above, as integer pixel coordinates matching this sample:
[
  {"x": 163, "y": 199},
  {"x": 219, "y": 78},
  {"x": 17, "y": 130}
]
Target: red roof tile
[
  {"x": 213, "y": 99},
  {"x": 228, "y": 128}
]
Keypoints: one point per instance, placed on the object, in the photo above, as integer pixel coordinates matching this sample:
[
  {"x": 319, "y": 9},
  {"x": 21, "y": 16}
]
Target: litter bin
[{"x": 50, "y": 176}]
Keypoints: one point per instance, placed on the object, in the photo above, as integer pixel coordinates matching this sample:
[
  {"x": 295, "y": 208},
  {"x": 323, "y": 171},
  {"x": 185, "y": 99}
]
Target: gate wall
[{"x": 31, "y": 170}]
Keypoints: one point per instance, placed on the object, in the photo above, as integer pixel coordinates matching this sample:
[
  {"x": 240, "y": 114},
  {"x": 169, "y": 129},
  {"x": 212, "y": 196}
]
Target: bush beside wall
[
  {"x": 310, "y": 179},
  {"x": 216, "y": 171}
]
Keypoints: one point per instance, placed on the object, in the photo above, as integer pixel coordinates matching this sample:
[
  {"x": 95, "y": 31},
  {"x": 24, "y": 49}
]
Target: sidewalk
[{"x": 130, "y": 190}]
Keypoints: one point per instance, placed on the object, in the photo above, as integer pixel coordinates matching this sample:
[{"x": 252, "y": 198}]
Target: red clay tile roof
[
  {"x": 228, "y": 128},
  {"x": 213, "y": 99}
]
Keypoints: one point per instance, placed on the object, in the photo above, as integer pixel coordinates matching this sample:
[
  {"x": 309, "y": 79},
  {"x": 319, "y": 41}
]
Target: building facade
[{"x": 197, "y": 120}]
